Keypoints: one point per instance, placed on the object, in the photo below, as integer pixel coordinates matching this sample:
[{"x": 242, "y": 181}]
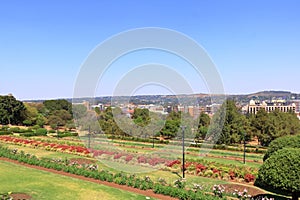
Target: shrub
[
  {"x": 51, "y": 131},
  {"x": 249, "y": 178},
  {"x": 281, "y": 172},
  {"x": 5, "y": 133},
  {"x": 282, "y": 142},
  {"x": 41, "y": 131}
]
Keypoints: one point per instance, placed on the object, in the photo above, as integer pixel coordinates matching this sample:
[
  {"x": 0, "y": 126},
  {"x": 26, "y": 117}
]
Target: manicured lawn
[{"x": 46, "y": 185}]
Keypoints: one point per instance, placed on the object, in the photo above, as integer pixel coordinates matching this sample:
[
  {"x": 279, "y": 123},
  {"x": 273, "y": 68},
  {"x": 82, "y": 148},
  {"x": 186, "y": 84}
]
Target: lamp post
[
  {"x": 244, "y": 148},
  {"x": 89, "y": 137},
  {"x": 183, "y": 154},
  {"x": 153, "y": 139}
]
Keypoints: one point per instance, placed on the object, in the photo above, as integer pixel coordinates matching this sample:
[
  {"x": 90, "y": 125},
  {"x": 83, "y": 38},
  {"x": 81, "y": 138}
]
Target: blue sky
[{"x": 255, "y": 45}]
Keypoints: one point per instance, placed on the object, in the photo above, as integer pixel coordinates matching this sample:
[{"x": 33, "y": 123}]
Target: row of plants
[
  {"x": 198, "y": 167},
  {"x": 215, "y": 170},
  {"x": 249, "y": 149},
  {"x": 201, "y": 144},
  {"x": 80, "y": 150},
  {"x": 145, "y": 183},
  {"x": 138, "y": 139},
  {"x": 34, "y": 131}
]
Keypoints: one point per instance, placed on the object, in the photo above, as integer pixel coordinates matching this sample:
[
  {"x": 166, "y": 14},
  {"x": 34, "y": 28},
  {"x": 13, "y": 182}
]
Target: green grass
[
  {"x": 227, "y": 161},
  {"x": 45, "y": 185}
]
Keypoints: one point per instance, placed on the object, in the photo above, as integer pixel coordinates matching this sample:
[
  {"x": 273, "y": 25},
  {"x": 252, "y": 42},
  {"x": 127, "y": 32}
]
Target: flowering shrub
[
  {"x": 242, "y": 195},
  {"x": 118, "y": 155},
  {"x": 249, "y": 178},
  {"x": 128, "y": 158},
  {"x": 46, "y": 145},
  {"x": 6, "y": 196},
  {"x": 197, "y": 187},
  {"x": 218, "y": 190},
  {"x": 172, "y": 163},
  {"x": 180, "y": 183}
]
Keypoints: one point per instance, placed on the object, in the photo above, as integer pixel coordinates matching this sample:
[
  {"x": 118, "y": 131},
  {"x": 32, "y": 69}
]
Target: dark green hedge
[
  {"x": 281, "y": 171},
  {"x": 282, "y": 142}
]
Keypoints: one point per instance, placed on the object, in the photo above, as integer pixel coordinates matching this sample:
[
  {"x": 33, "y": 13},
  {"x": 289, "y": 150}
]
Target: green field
[{"x": 45, "y": 185}]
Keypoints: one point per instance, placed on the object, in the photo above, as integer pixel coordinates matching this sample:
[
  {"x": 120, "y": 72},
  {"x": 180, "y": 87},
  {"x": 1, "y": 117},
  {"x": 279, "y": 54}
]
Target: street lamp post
[
  {"x": 153, "y": 139},
  {"x": 89, "y": 137},
  {"x": 244, "y": 148},
  {"x": 183, "y": 154}
]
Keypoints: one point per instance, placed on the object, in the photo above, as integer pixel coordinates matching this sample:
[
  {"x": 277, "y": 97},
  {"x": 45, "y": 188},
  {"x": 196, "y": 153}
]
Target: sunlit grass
[{"x": 45, "y": 185}]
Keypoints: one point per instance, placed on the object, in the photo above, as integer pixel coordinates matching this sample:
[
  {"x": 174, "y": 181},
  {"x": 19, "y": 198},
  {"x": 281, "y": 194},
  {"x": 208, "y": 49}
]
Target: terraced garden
[{"x": 155, "y": 169}]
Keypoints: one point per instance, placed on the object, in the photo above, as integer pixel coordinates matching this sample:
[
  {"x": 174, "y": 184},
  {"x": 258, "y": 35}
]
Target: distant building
[
  {"x": 281, "y": 105},
  {"x": 100, "y": 106}
]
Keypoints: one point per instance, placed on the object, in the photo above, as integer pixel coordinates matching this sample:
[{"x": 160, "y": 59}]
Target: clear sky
[{"x": 254, "y": 44}]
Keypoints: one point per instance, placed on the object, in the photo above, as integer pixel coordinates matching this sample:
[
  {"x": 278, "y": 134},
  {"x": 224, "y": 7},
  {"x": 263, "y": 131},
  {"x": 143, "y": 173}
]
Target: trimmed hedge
[
  {"x": 282, "y": 142},
  {"x": 281, "y": 172}
]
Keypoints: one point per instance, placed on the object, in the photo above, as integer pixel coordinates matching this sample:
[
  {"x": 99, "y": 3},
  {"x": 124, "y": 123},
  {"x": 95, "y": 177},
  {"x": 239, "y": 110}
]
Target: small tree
[
  {"x": 282, "y": 142},
  {"x": 281, "y": 172}
]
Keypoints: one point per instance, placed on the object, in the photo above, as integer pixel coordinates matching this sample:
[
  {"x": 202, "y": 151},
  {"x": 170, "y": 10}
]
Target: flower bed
[
  {"x": 48, "y": 146},
  {"x": 193, "y": 167}
]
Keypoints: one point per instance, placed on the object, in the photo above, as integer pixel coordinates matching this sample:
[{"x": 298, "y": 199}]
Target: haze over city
[{"x": 255, "y": 45}]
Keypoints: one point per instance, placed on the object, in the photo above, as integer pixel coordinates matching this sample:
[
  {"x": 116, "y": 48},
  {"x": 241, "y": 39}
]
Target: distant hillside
[{"x": 271, "y": 94}]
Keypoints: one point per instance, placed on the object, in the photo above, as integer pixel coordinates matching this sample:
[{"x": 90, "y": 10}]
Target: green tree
[
  {"x": 141, "y": 117},
  {"x": 269, "y": 126},
  {"x": 60, "y": 104},
  {"x": 31, "y": 115},
  {"x": 235, "y": 124},
  {"x": 172, "y": 124},
  {"x": 11, "y": 110},
  {"x": 281, "y": 172},
  {"x": 204, "y": 122}
]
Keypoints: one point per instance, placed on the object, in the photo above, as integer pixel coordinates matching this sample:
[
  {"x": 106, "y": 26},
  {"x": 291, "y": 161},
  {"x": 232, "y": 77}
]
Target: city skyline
[{"x": 254, "y": 45}]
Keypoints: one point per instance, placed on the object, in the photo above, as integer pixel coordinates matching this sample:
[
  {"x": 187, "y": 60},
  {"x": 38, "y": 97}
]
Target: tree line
[
  {"x": 227, "y": 126},
  {"x": 51, "y": 112}
]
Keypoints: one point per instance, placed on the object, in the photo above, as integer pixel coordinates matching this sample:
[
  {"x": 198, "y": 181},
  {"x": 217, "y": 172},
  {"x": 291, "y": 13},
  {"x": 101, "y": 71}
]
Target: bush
[
  {"x": 52, "y": 131},
  {"x": 5, "y": 133},
  {"x": 41, "y": 131},
  {"x": 67, "y": 134},
  {"x": 282, "y": 142},
  {"x": 281, "y": 172}
]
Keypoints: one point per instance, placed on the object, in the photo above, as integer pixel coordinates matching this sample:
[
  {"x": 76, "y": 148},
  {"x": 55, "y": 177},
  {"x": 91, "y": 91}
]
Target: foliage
[
  {"x": 218, "y": 190},
  {"x": 281, "y": 171},
  {"x": 228, "y": 125},
  {"x": 172, "y": 124},
  {"x": 282, "y": 142},
  {"x": 104, "y": 175},
  {"x": 11, "y": 110},
  {"x": 269, "y": 126},
  {"x": 60, "y": 104},
  {"x": 141, "y": 116},
  {"x": 242, "y": 195}
]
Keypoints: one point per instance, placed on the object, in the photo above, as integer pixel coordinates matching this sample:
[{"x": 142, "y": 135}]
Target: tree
[
  {"x": 172, "y": 124},
  {"x": 141, "y": 117},
  {"x": 282, "y": 142},
  {"x": 60, "y": 104},
  {"x": 79, "y": 111},
  {"x": 31, "y": 114},
  {"x": 235, "y": 124},
  {"x": 269, "y": 126},
  {"x": 11, "y": 110},
  {"x": 203, "y": 124},
  {"x": 281, "y": 172}
]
